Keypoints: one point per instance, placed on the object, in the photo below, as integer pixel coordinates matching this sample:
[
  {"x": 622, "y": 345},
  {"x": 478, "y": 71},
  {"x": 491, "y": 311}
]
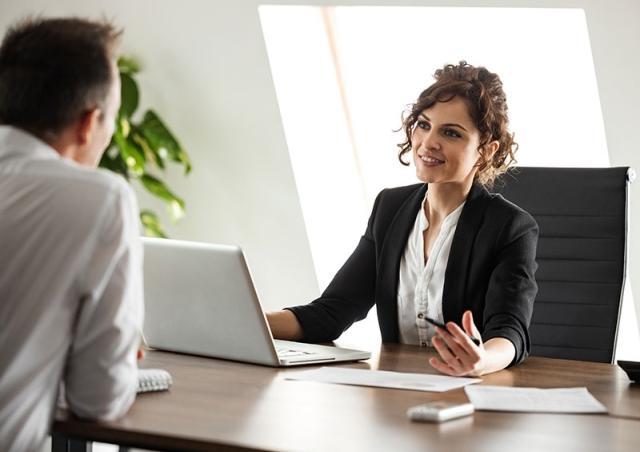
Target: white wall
[{"x": 208, "y": 75}]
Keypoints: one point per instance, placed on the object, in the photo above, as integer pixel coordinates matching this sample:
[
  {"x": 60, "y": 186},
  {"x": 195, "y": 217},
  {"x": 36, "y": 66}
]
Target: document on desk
[
  {"x": 382, "y": 379},
  {"x": 534, "y": 400}
]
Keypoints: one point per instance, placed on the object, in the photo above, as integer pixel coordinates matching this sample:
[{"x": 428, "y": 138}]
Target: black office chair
[{"x": 582, "y": 214}]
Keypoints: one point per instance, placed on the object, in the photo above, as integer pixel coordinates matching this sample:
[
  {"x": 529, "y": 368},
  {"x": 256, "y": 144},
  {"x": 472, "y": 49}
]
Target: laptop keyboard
[{"x": 288, "y": 353}]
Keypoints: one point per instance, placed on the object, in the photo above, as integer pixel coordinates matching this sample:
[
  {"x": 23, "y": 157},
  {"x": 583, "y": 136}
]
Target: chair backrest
[{"x": 582, "y": 215}]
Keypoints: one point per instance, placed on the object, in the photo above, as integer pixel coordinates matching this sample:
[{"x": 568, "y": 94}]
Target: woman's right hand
[{"x": 284, "y": 325}]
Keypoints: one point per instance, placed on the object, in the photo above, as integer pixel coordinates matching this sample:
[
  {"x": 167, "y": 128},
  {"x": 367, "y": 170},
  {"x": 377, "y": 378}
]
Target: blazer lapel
[
  {"x": 390, "y": 254},
  {"x": 457, "y": 273}
]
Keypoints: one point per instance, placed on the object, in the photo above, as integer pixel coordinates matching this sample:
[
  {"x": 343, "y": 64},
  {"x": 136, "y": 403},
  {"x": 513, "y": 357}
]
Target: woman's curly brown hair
[{"x": 487, "y": 103}]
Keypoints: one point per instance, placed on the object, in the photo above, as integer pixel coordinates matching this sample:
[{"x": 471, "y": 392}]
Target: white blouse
[{"x": 420, "y": 286}]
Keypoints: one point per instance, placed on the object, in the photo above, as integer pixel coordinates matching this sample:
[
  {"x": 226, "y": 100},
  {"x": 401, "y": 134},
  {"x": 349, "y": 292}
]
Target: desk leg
[{"x": 61, "y": 443}]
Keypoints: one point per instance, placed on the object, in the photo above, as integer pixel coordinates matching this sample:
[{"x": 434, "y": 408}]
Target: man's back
[{"x": 70, "y": 289}]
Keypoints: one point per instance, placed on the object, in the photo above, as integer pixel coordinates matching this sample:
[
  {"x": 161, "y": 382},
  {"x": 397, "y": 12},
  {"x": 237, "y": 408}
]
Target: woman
[{"x": 445, "y": 248}]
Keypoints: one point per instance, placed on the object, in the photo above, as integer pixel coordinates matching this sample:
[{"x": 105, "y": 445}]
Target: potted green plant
[{"x": 141, "y": 149}]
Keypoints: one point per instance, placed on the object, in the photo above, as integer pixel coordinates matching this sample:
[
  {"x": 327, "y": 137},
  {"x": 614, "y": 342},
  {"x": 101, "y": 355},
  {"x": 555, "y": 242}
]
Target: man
[{"x": 71, "y": 302}]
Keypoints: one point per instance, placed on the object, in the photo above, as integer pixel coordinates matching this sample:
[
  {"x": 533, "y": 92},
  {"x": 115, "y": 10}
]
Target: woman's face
[{"x": 445, "y": 143}]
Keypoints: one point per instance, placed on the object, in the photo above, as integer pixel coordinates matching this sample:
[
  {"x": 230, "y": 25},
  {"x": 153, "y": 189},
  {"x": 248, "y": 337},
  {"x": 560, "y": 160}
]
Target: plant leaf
[
  {"x": 151, "y": 224},
  {"x": 149, "y": 152},
  {"x": 123, "y": 126},
  {"x": 113, "y": 161},
  {"x": 131, "y": 153},
  {"x": 175, "y": 205},
  {"x": 162, "y": 140},
  {"x": 134, "y": 148},
  {"x": 128, "y": 65},
  {"x": 129, "y": 95}
]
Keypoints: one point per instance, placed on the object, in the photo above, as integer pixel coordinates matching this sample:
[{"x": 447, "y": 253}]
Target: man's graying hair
[{"x": 52, "y": 71}]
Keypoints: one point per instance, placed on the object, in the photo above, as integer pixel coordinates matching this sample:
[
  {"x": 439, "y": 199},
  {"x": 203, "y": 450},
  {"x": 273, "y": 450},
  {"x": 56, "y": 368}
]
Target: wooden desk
[{"x": 227, "y": 406}]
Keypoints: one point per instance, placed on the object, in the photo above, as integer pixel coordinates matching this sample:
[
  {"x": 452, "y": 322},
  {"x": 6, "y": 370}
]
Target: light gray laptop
[{"x": 200, "y": 299}]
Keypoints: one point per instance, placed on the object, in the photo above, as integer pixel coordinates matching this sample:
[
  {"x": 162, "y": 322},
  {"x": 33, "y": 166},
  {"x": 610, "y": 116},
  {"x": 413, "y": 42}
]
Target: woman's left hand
[{"x": 459, "y": 356}]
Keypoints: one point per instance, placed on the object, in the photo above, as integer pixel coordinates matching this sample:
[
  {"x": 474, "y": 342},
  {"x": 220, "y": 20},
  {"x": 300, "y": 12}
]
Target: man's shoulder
[
  {"x": 87, "y": 198},
  {"x": 94, "y": 184},
  {"x": 99, "y": 178}
]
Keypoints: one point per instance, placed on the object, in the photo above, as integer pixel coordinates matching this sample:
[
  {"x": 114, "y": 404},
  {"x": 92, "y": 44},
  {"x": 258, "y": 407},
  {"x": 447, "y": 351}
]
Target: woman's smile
[{"x": 429, "y": 160}]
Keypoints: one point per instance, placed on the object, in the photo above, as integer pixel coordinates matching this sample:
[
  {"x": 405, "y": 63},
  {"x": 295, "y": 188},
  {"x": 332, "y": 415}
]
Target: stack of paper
[
  {"x": 533, "y": 400},
  {"x": 382, "y": 378}
]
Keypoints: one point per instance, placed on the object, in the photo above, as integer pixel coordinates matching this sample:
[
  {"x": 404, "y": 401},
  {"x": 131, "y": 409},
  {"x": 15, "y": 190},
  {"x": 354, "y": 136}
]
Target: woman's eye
[
  {"x": 452, "y": 133},
  {"x": 423, "y": 125}
]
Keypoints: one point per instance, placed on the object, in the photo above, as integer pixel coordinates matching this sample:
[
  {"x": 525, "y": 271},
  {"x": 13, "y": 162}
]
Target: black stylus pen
[{"x": 444, "y": 327}]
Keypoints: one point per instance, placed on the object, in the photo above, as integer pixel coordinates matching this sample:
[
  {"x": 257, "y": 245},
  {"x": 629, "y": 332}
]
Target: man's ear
[{"x": 87, "y": 124}]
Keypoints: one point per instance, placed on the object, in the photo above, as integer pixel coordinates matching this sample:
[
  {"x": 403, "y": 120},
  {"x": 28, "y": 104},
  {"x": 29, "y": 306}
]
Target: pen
[{"x": 444, "y": 327}]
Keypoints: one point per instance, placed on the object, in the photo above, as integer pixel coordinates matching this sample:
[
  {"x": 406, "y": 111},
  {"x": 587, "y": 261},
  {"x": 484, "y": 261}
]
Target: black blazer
[{"x": 490, "y": 270}]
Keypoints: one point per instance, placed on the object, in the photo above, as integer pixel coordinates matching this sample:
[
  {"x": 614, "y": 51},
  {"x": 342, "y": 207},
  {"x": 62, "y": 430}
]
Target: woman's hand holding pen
[{"x": 459, "y": 356}]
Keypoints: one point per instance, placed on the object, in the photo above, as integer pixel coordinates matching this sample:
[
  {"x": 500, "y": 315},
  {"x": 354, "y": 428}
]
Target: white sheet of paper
[
  {"x": 382, "y": 379},
  {"x": 534, "y": 400}
]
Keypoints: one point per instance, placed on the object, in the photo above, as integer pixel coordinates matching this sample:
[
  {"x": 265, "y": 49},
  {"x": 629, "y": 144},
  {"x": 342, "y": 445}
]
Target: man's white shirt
[{"x": 71, "y": 298}]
